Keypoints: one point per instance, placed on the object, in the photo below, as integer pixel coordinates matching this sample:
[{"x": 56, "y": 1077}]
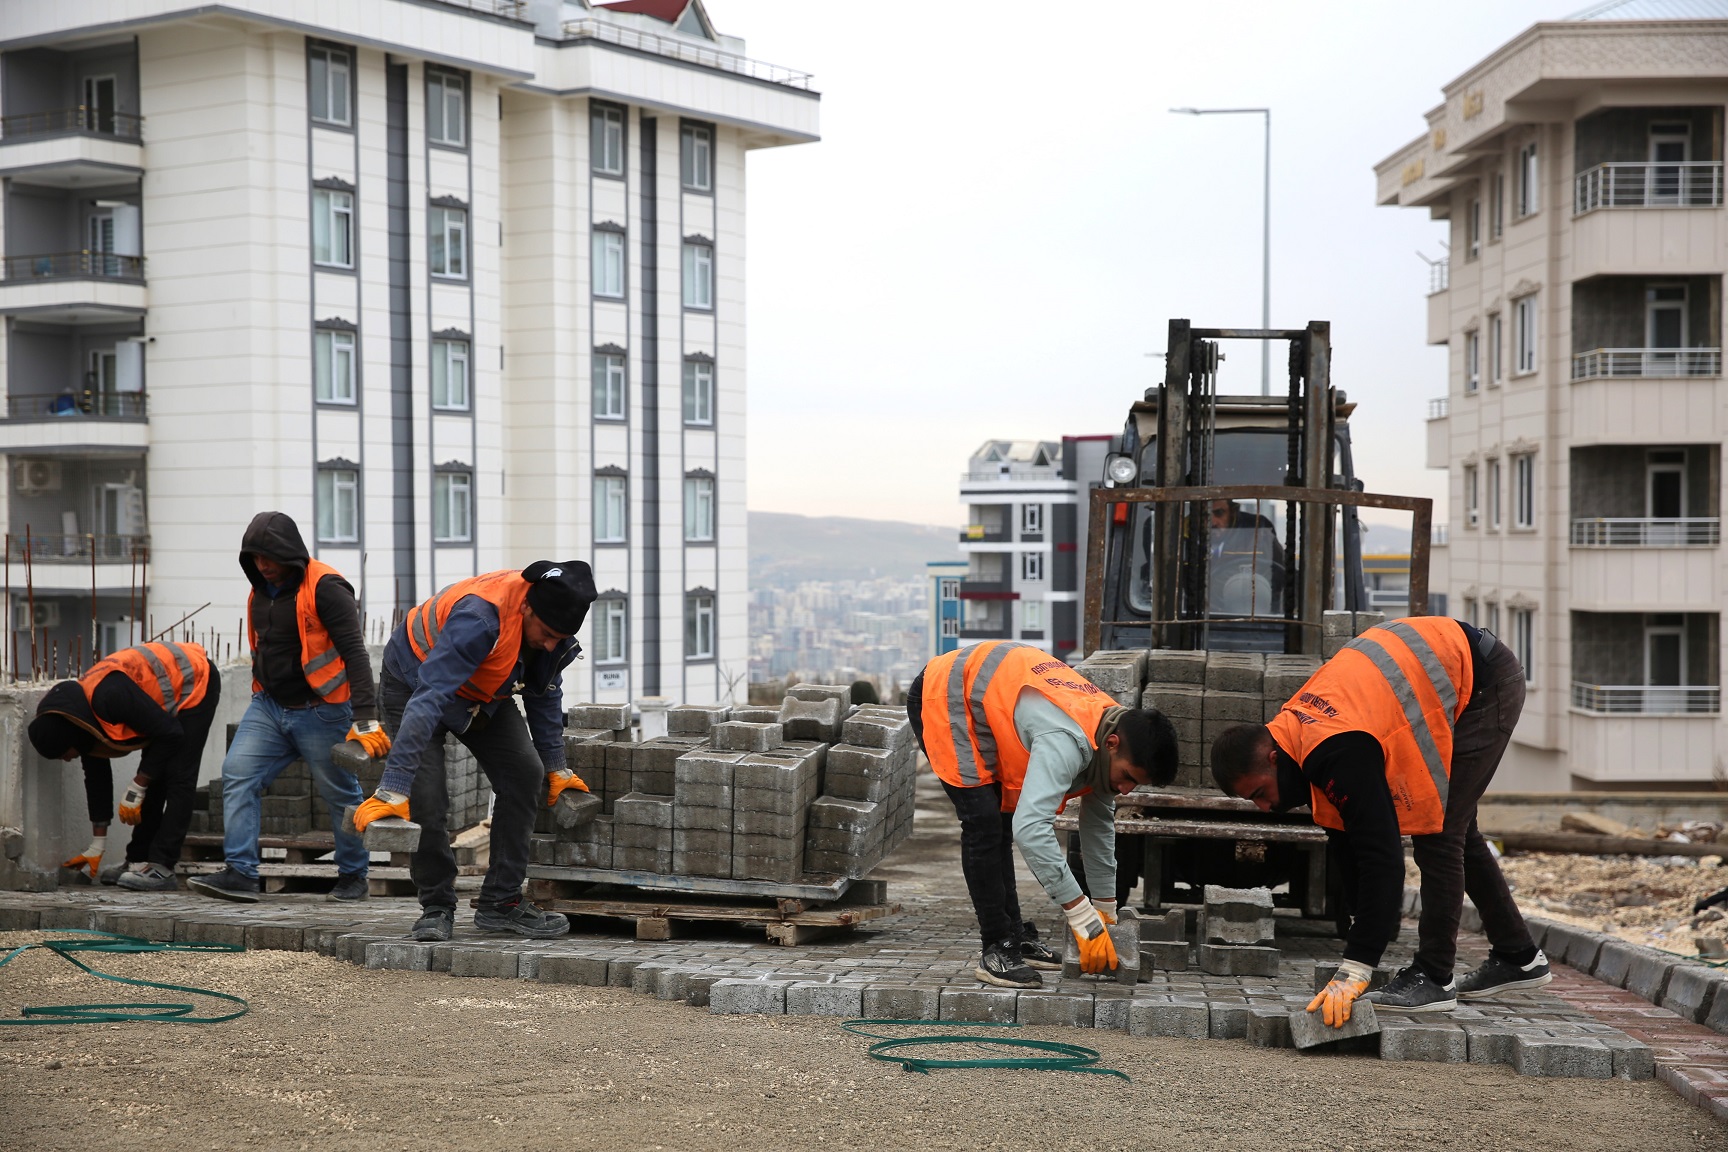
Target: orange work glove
[
  {"x": 380, "y": 804},
  {"x": 90, "y": 857},
  {"x": 370, "y": 735},
  {"x": 132, "y": 801},
  {"x": 1097, "y": 950},
  {"x": 1334, "y": 1000},
  {"x": 557, "y": 781}
]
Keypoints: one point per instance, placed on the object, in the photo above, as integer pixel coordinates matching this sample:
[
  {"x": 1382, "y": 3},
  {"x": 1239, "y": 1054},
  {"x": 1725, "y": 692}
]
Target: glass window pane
[
  {"x": 321, "y": 226},
  {"x": 326, "y": 506},
  {"x": 339, "y": 88},
  {"x": 435, "y": 107},
  {"x": 321, "y": 357},
  {"x": 318, "y": 85}
]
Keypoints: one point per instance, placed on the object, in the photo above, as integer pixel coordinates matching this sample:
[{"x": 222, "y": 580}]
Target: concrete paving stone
[
  {"x": 210, "y": 931},
  {"x": 613, "y": 717},
  {"x": 351, "y": 946},
  {"x": 979, "y": 1005},
  {"x": 20, "y": 919},
  {"x": 785, "y": 869},
  {"x": 697, "y": 986},
  {"x": 877, "y": 732},
  {"x": 621, "y": 971},
  {"x": 811, "y": 719},
  {"x": 1235, "y": 672},
  {"x": 1165, "y": 955},
  {"x": 407, "y": 955},
  {"x": 71, "y": 916},
  {"x": 1254, "y": 933},
  {"x": 841, "y": 693},
  {"x": 695, "y": 719},
  {"x": 1309, "y": 1029},
  {"x": 901, "y": 1002},
  {"x": 1169, "y": 1016},
  {"x": 818, "y": 998},
  {"x": 589, "y": 970},
  {"x": 1063, "y": 1009},
  {"x": 1442, "y": 1043},
  {"x": 674, "y": 984},
  {"x": 281, "y": 937},
  {"x": 738, "y": 736},
  {"x": 1488, "y": 1043},
  {"x": 143, "y": 926},
  {"x": 1633, "y": 1059},
  {"x": 1227, "y": 1019},
  {"x": 1647, "y": 976},
  {"x": 1249, "y": 904},
  {"x": 1169, "y": 925},
  {"x": 1173, "y": 666},
  {"x": 1692, "y": 990},
  {"x": 751, "y": 714},
  {"x": 645, "y": 980},
  {"x": 1230, "y": 960},
  {"x": 1269, "y": 1026},
  {"x": 748, "y": 997},
  {"x": 790, "y": 826},
  {"x": 1558, "y": 1056},
  {"x": 1572, "y": 945}
]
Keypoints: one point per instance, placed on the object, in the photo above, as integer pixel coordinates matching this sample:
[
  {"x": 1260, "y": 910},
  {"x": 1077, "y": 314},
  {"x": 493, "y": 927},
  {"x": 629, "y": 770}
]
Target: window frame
[
  {"x": 1472, "y": 362},
  {"x": 1523, "y": 491},
  {"x": 1472, "y": 496},
  {"x": 449, "y": 479},
  {"x": 326, "y": 211},
  {"x": 439, "y": 229},
  {"x": 609, "y": 488},
  {"x": 690, "y": 134},
  {"x": 601, "y": 378},
  {"x": 444, "y": 79},
  {"x": 329, "y": 54},
  {"x": 1032, "y": 566},
  {"x": 949, "y": 628},
  {"x": 1528, "y": 189},
  {"x": 948, "y": 588},
  {"x": 449, "y": 356},
  {"x": 698, "y": 385},
  {"x": 1496, "y": 348},
  {"x": 1523, "y": 644},
  {"x": 698, "y": 275},
  {"x": 1492, "y": 484},
  {"x": 697, "y": 488},
  {"x": 331, "y": 475},
  {"x": 607, "y": 117},
  {"x": 1032, "y": 519},
  {"x": 1525, "y": 335},
  {"x": 1473, "y": 228},
  {"x": 607, "y": 251},
  {"x": 700, "y": 609},
  {"x": 1496, "y": 205},
  {"x": 1029, "y": 609},
  {"x": 328, "y": 342},
  {"x": 611, "y": 626}
]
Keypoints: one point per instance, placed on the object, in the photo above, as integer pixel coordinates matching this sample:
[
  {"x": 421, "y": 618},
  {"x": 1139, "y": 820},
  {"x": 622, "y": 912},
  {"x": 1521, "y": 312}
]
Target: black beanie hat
[
  {"x": 560, "y": 593},
  {"x": 52, "y": 732}
]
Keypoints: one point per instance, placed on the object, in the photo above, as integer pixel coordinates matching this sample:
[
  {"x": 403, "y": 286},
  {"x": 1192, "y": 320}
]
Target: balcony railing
[
  {"x": 1647, "y": 699},
  {"x": 78, "y": 548},
  {"x": 73, "y": 405},
  {"x": 1440, "y": 535},
  {"x": 509, "y": 9},
  {"x": 1440, "y": 408},
  {"x": 984, "y": 534},
  {"x": 62, "y": 121},
  {"x": 1041, "y": 472},
  {"x": 1696, "y": 184},
  {"x": 679, "y": 49},
  {"x": 72, "y": 266},
  {"x": 1652, "y": 363},
  {"x": 1647, "y": 532},
  {"x": 1439, "y": 275}
]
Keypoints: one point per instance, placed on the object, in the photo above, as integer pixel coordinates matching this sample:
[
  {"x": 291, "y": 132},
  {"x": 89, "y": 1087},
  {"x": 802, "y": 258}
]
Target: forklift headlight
[{"x": 1121, "y": 470}]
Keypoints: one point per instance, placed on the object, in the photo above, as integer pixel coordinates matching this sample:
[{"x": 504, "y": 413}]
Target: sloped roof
[
  {"x": 1654, "y": 10},
  {"x": 667, "y": 10}
]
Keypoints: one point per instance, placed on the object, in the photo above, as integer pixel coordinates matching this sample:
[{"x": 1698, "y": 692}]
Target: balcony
[
  {"x": 73, "y": 287},
  {"x": 686, "y": 51},
  {"x": 1695, "y": 184},
  {"x": 1646, "y": 699},
  {"x": 1643, "y": 747},
  {"x": 1647, "y": 532},
  {"x": 985, "y": 534},
  {"x": 75, "y": 422},
  {"x": 58, "y": 564},
  {"x": 1439, "y": 432},
  {"x": 1646, "y": 363},
  {"x": 987, "y": 590},
  {"x": 1439, "y": 304},
  {"x": 72, "y": 147}
]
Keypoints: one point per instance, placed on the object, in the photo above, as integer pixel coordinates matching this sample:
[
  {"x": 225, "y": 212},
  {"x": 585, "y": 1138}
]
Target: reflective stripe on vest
[
  {"x": 164, "y": 682},
  {"x": 1406, "y": 694},
  {"x": 974, "y": 743},
  {"x": 506, "y": 591}
]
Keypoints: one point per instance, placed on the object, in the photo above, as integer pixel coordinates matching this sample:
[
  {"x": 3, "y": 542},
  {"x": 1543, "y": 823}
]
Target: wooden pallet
[
  {"x": 300, "y": 869},
  {"x": 788, "y": 921}
]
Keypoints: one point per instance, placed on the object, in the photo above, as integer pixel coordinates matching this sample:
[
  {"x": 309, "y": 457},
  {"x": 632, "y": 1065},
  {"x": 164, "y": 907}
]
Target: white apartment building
[
  {"x": 458, "y": 284},
  {"x": 1022, "y": 575},
  {"x": 1579, "y": 168}
]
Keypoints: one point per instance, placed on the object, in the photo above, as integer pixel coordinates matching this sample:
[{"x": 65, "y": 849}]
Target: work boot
[
  {"x": 522, "y": 918},
  {"x": 1413, "y": 990},
  {"x": 1034, "y": 952},
  {"x": 1499, "y": 975},
  {"x": 227, "y": 885},
  {"x": 1003, "y": 966},
  {"x": 111, "y": 874},
  {"x": 149, "y": 878},
  {"x": 349, "y": 886},
  {"x": 434, "y": 926}
]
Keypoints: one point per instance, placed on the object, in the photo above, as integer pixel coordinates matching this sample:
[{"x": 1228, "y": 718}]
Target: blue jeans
[{"x": 270, "y": 738}]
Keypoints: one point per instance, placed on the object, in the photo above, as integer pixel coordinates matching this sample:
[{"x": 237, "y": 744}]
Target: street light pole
[{"x": 1265, "y": 233}]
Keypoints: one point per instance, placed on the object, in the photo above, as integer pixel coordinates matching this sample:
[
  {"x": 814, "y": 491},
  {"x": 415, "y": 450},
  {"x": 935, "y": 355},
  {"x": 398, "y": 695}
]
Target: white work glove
[
  {"x": 132, "y": 801},
  {"x": 1106, "y": 910},
  {"x": 91, "y": 857},
  {"x": 1097, "y": 952}
]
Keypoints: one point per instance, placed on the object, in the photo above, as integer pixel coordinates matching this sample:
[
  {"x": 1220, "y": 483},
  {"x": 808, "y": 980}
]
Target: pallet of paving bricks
[
  {"x": 300, "y": 869},
  {"x": 787, "y": 921}
]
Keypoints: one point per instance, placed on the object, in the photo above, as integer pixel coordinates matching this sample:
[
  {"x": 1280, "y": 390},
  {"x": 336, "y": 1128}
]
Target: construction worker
[
  {"x": 311, "y": 689},
  {"x": 1400, "y": 734},
  {"x": 1014, "y": 733},
  {"x": 453, "y": 666},
  {"x": 158, "y": 698}
]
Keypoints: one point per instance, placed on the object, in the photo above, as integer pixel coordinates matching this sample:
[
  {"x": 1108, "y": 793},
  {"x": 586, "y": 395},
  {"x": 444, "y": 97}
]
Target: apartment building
[
  {"x": 456, "y": 283},
  {"x": 1579, "y": 170},
  {"x": 944, "y": 578}
]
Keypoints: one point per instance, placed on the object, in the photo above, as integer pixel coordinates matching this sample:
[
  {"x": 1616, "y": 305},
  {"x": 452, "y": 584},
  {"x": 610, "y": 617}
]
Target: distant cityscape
[{"x": 839, "y": 631}]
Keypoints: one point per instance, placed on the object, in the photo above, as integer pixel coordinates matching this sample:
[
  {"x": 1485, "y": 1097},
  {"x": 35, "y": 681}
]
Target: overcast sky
[{"x": 1002, "y": 216}]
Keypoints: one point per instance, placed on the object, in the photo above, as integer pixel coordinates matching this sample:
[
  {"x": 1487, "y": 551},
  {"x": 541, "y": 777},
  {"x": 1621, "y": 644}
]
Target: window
[
  {"x": 1496, "y": 205},
  {"x": 1472, "y": 498},
  {"x": 948, "y": 589},
  {"x": 950, "y": 627},
  {"x": 1496, "y": 338},
  {"x": 1528, "y": 174},
  {"x": 609, "y": 387},
  {"x": 1524, "y": 641},
  {"x": 452, "y": 507},
  {"x": 1032, "y": 566},
  {"x": 609, "y": 264},
  {"x": 333, "y": 366},
  {"x": 1494, "y": 495},
  {"x": 1032, "y": 518},
  {"x": 1664, "y": 656},
  {"x": 1524, "y": 335},
  {"x": 698, "y": 276},
  {"x": 698, "y": 392},
  {"x": 1491, "y": 618},
  {"x": 1032, "y": 615},
  {"x": 696, "y": 157},
  {"x": 699, "y": 509},
  {"x": 338, "y": 505},
  {"x": 1524, "y": 490},
  {"x": 332, "y": 228},
  {"x": 1664, "y": 328},
  {"x": 609, "y": 638},
  {"x": 699, "y": 627},
  {"x": 447, "y": 231},
  {"x": 1470, "y": 610},
  {"x": 611, "y": 510},
  {"x": 1473, "y": 229},
  {"x": 446, "y": 109},
  {"x": 1665, "y": 484},
  {"x": 1472, "y": 361},
  {"x": 606, "y": 139},
  {"x": 329, "y": 85},
  {"x": 450, "y": 375}
]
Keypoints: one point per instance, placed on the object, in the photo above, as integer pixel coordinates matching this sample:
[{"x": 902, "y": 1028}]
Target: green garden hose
[
  {"x": 112, "y": 942},
  {"x": 1067, "y": 1058}
]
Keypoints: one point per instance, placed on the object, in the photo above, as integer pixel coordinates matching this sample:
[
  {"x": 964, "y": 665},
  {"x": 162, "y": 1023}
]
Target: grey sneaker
[
  {"x": 111, "y": 874},
  {"x": 227, "y": 885},
  {"x": 1003, "y": 966},
  {"x": 1497, "y": 976},
  {"x": 349, "y": 886},
  {"x": 434, "y": 926},
  {"x": 1413, "y": 990},
  {"x": 522, "y": 918},
  {"x": 150, "y": 878}
]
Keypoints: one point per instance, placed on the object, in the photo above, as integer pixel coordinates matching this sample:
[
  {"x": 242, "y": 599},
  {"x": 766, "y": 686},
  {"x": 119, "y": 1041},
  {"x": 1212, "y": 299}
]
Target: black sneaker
[
  {"x": 227, "y": 885},
  {"x": 1497, "y": 976},
  {"x": 1003, "y": 966},
  {"x": 522, "y": 918},
  {"x": 1035, "y": 952},
  {"x": 349, "y": 886},
  {"x": 434, "y": 926},
  {"x": 1413, "y": 990}
]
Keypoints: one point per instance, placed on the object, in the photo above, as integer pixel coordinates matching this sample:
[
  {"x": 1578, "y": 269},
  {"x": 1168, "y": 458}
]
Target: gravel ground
[{"x": 484, "y": 1064}]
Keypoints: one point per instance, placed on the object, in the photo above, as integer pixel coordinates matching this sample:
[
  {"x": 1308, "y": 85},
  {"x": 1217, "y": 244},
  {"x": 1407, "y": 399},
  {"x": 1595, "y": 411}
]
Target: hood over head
[
  {"x": 64, "y": 722},
  {"x": 277, "y": 536}
]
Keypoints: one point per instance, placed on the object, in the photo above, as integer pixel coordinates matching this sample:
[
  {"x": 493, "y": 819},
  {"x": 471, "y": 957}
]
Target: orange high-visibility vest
[
  {"x": 1405, "y": 683},
  {"x": 968, "y": 711},
  {"x": 506, "y": 591},
  {"x": 172, "y": 674},
  {"x": 322, "y": 665}
]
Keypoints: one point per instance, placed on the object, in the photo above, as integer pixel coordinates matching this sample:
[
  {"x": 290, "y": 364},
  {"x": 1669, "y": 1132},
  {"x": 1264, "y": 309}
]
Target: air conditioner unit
[
  {"x": 32, "y": 476},
  {"x": 47, "y": 615}
]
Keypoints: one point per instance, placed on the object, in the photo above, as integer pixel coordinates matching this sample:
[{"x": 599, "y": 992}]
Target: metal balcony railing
[
  {"x": 1647, "y": 532},
  {"x": 1696, "y": 184},
  {"x": 78, "y": 548},
  {"x": 1041, "y": 472},
  {"x": 1440, "y": 535},
  {"x": 1653, "y": 363},
  {"x": 1439, "y": 275},
  {"x": 62, "y": 121},
  {"x": 509, "y": 9},
  {"x": 96, "y": 405},
  {"x": 72, "y": 266},
  {"x": 1647, "y": 699},
  {"x": 1440, "y": 408},
  {"x": 675, "y": 48}
]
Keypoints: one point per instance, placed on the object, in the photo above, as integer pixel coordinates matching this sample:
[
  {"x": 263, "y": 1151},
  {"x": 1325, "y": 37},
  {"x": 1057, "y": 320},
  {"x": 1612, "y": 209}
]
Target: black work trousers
[
  {"x": 166, "y": 812},
  {"x": 506, "y": 753},
  {"x": 1456, "y": 861}
]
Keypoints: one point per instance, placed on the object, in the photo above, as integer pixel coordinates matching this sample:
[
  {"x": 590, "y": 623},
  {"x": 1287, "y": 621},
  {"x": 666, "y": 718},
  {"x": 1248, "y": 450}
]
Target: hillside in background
[{"x": 785, "y": 549}]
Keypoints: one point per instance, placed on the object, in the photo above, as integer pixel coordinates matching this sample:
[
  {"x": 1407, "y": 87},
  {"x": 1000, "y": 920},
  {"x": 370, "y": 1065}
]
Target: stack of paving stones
[
  {"x": 1235, "y": 932},
  {"x": 1339, "y": 628}
]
